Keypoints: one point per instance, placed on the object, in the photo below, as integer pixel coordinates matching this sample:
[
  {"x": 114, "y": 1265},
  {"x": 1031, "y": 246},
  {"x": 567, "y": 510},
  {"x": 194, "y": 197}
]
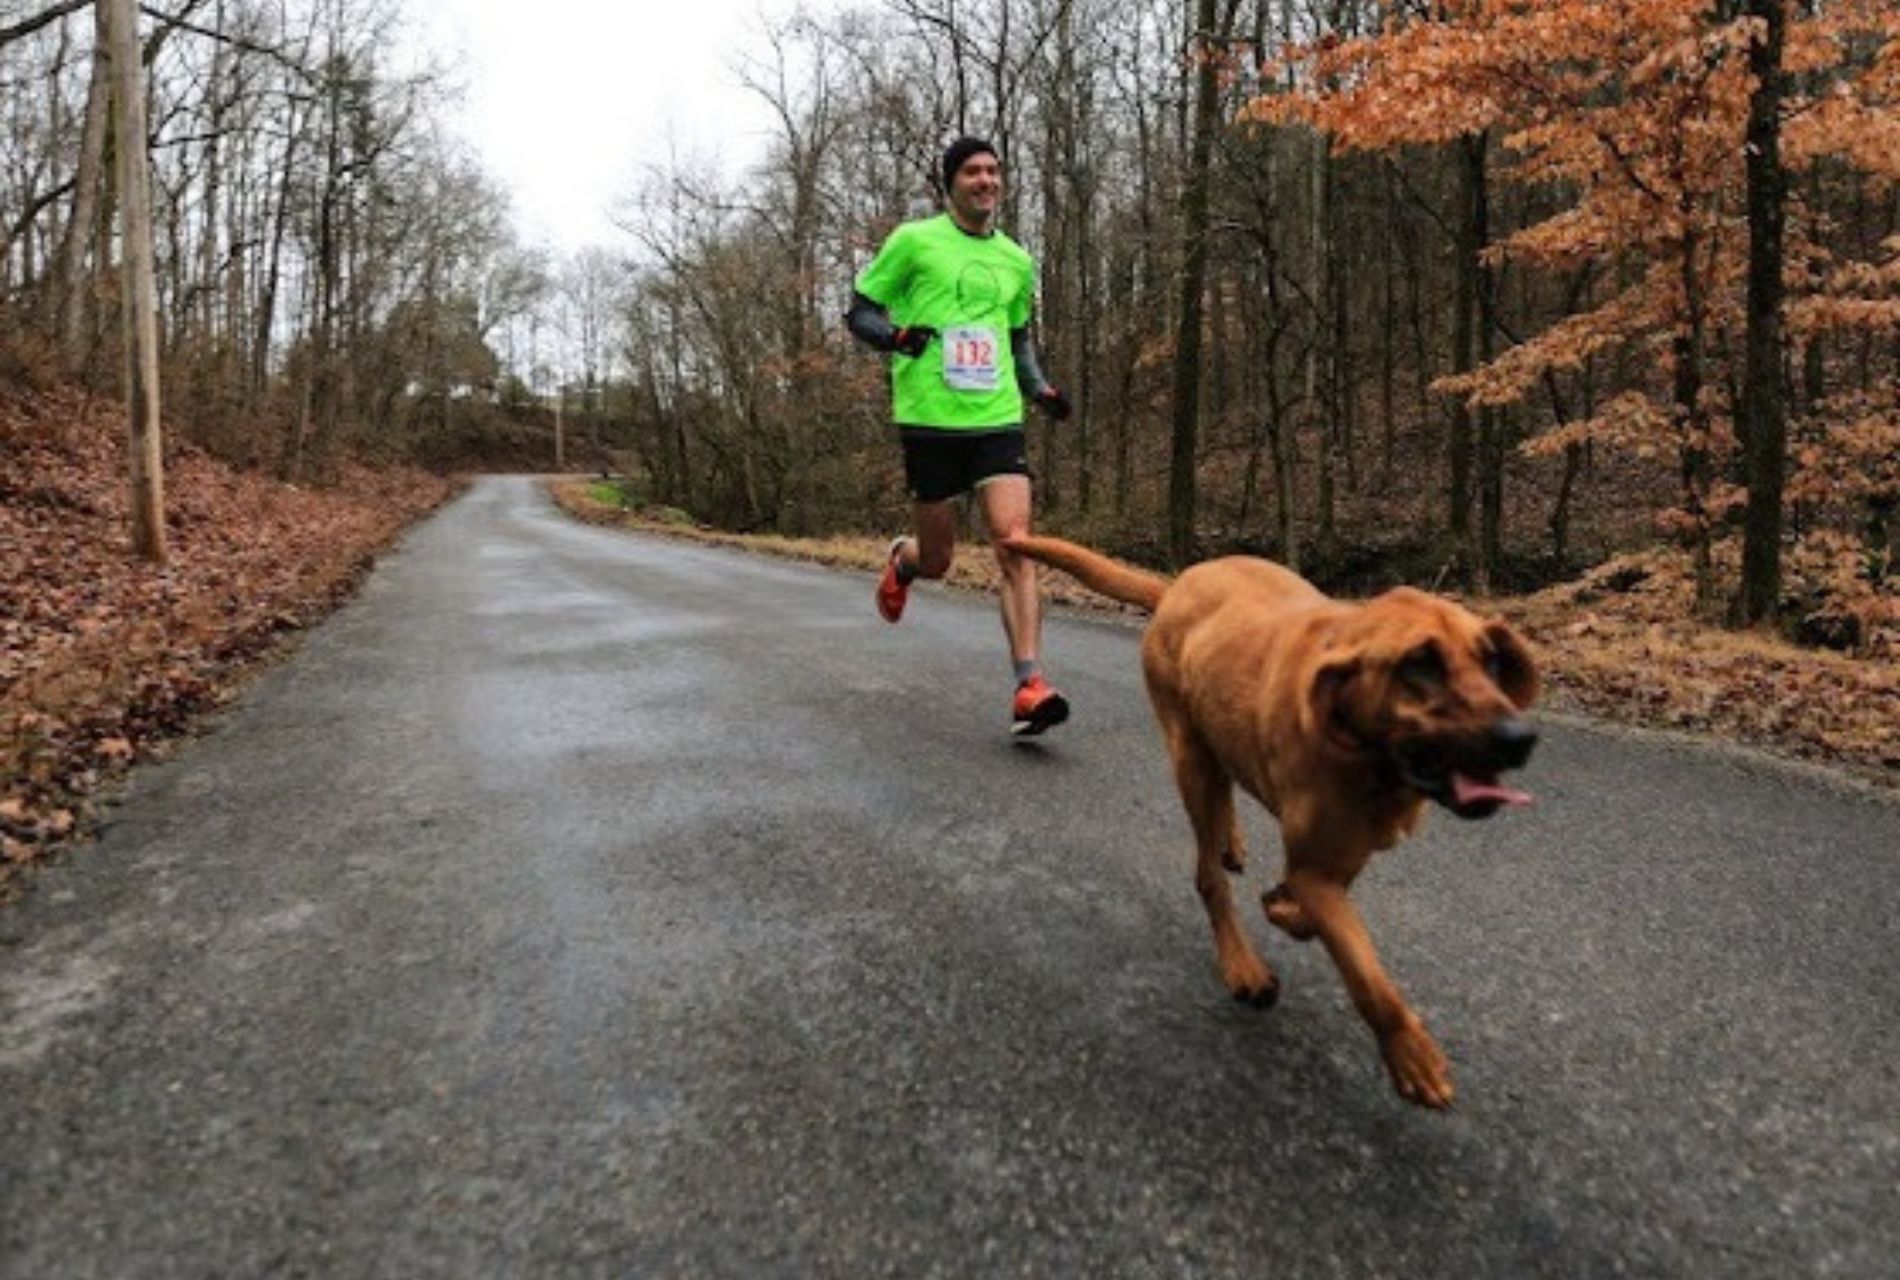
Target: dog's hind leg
[
  {"x": 1207, "y": 792},
  {"x": 1233, "y": 854}
]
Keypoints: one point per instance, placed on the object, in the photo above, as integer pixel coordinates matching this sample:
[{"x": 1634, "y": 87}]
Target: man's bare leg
[
  {"x": 934, "y": 539},
  {"x": 1005, "y": 502}
]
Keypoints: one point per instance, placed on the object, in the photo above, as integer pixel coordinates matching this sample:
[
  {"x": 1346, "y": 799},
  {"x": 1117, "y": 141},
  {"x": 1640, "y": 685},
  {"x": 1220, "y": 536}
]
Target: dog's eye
[{"x": 1423, "y": 667}]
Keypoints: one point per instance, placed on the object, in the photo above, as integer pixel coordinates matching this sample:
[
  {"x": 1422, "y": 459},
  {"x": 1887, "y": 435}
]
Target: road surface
[{"x": 578, "y": 903}]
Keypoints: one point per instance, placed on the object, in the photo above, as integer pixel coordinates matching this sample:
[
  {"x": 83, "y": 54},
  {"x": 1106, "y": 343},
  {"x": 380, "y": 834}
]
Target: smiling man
[{"x": 949, "y": 298}]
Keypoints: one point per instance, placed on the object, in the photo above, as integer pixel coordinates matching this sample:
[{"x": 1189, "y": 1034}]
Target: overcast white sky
[{"x": 567, "y": 98}]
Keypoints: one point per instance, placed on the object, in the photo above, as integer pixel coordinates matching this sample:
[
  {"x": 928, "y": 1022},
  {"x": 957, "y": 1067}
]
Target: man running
[{"x": 950, "y": 298}]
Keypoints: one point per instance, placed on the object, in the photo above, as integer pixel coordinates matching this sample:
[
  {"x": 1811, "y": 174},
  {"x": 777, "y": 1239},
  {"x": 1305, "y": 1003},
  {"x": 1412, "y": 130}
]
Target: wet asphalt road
[{"x": 582, "y": 904}]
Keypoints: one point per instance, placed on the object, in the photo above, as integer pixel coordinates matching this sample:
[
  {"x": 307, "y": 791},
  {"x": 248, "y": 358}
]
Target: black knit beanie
[{"x": 957, "y": 152}]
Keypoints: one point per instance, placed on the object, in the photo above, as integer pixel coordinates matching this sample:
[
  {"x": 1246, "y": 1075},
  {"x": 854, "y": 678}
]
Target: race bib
[{"x": 970, "y": 358}]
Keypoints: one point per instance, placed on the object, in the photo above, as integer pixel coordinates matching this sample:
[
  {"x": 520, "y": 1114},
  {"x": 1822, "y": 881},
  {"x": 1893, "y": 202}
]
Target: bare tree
[
  {"x": 1211, "y": 35},
  {"x": 138, "y": 288}
]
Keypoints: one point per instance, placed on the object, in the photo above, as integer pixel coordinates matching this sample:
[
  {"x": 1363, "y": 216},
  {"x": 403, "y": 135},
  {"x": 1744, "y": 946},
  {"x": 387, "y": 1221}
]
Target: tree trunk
[
  {"x": 1764, "y": 408},
  {"x": 1490, "y": 421},
  {"x": 1388, "y": 332},
  {"x": 1415, "y": 320},
  {"x": 1463, "y": 360},
  {"x": 138, "y": 290},
  {"x": 1082, "y": 346},
  {"x": 1321, "y": 357},
  {"x": 1344, "y": 372},
  {"x": 683, "y": 454},
  {"x": 1187, "y": 356},
  {"x": 1692, "y": 425},
  {"x": 214, "y": 161},
  {"x": 1053, "y": 314},
  {"x": 316, "y": 442},
  {"x": 273, "y": 271},
  {"x": 1123, "y": 432},
  {"x": 1279, "y": 450},
  {"x": 82, "y": 232}
]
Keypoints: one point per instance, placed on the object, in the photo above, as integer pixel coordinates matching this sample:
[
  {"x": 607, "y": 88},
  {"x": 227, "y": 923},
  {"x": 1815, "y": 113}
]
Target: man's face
[{"x": 976, "y": 188}]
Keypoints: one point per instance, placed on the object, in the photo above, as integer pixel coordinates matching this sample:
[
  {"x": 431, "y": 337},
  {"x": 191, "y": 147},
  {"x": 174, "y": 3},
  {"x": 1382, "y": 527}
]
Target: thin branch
[
  {"x": 180, "y": 22},
  {"x": 26, "y": 219},
  {"x": 27, "y": 26}
]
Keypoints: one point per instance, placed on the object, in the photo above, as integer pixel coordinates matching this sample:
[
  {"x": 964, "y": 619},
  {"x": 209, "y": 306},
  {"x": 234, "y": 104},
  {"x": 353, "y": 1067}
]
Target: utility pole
[{"x": 138, "y": 287}]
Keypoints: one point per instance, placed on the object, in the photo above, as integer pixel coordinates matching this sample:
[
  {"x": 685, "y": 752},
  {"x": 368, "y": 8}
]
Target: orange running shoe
[
  {"x": 893, "y": 593},
  {"x": 1037, "y": 707}
]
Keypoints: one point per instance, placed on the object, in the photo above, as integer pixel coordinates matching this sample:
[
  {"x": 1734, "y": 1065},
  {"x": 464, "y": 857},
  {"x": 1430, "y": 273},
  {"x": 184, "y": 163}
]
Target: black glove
[
  {"x": 1052, "y": 402},
  {"x": 912, "y": 339}
]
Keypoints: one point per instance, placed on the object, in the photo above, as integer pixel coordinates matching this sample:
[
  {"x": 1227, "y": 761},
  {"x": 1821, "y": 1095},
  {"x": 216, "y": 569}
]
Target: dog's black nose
[{"x": 1511, "y": 743}]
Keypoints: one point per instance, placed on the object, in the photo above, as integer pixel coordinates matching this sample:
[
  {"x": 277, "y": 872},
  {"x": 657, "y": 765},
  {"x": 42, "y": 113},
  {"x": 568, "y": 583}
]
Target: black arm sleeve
[
  {"x": 1029, "y": 379},
  {"x": 870, "y": 323}
]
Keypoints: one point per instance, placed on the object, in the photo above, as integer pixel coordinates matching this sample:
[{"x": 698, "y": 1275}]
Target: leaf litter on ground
[{"x": 103, "y": 657}]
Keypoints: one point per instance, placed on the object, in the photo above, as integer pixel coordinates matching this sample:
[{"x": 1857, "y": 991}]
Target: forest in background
[{"x": 1451, "y": 292}]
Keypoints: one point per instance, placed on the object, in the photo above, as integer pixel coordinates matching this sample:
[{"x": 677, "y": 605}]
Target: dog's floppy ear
[
  {"x": 1331, "y": 674},
  {"x": 1513, "y": 667}
]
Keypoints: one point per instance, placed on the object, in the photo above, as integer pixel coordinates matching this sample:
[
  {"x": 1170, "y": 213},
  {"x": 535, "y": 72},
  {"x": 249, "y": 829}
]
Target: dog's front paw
[
  {"x": 1285, "y": 912},
  {"x": 1250, "y": 981},
  {"x": 1233, "y": 855},
  {"x": 1419, "y": 1070}
]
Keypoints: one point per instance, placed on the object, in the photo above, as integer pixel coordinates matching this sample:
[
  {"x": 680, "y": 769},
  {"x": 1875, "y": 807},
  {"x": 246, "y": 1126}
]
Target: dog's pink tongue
[{"x": 1469, "y": 790}]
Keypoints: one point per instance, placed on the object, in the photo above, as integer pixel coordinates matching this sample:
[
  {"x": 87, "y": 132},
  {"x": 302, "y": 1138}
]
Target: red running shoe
[
  {"x": 892, "y": 591},
  {"x": 1037, "y": 707}
]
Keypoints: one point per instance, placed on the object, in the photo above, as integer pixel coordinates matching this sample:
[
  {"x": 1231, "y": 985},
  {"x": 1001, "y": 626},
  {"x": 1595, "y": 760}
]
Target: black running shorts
[{"x": 939, "y": 465}]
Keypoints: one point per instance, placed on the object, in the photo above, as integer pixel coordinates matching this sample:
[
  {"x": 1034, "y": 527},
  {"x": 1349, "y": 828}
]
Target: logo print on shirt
[{"x": 979, "y": 291}]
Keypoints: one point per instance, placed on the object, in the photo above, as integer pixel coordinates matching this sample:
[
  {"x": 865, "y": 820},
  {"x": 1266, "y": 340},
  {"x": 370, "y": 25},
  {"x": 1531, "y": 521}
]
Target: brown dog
[{"x": 1343, "y": 720}]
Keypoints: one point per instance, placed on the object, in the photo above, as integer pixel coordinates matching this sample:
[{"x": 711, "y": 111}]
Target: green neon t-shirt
[{"x": 972, "y": 290}]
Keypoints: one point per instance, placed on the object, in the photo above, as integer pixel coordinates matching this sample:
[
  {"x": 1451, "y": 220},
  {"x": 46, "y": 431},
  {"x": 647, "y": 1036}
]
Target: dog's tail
[{"x": 1093, "y": 570}]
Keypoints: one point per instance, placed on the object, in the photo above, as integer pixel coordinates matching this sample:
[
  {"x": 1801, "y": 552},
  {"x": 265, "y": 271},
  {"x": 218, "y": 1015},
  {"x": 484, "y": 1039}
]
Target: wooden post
[
  {"x": 560, "y": 444},
  {"x": 138, "y": 287}
]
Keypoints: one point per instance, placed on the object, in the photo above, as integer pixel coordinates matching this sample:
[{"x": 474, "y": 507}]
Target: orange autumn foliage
[{"x": 1630, "y": 116}]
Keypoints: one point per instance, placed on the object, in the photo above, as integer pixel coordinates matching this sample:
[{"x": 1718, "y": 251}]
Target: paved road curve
[{"x": 580, "y": 904}]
